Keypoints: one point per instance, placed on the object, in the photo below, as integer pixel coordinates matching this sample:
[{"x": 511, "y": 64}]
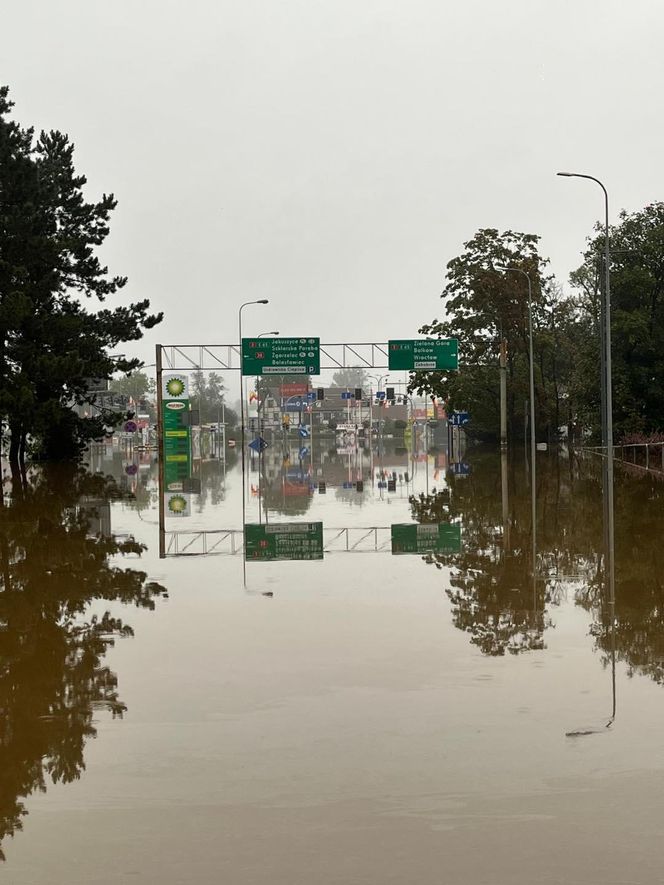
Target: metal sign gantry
[
  {"x": 213, "y": 357},
  {"x": 228, "y": 542}
]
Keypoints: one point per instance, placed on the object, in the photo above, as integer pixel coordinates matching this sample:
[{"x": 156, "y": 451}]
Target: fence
[{"x": 646, "y": 456}]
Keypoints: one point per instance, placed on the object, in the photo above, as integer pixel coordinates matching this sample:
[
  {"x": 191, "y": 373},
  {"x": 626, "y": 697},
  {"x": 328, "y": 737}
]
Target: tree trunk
[
  {"x": 22, "y": 447},
  {"x": 15, "y": 443}
]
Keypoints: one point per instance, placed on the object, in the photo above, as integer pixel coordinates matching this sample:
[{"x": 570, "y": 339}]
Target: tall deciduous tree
[
  {"x": 352, "y": 376},
  {"x": 637, "y": 319},
  {"x": 483, "y": 306},
  {"x": 51, "y": 343}
]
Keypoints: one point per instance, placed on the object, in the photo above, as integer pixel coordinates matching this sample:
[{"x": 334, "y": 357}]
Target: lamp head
[
  {"x": 262, "y": 301},
  {"x": 567, "y": 174}
]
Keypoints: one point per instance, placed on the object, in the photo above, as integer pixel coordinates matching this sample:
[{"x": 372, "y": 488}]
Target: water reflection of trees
[
  {"x": 53, "y": 679},
  {"x": 639, "y": 559},
  {"x": 491, "y": 587}
]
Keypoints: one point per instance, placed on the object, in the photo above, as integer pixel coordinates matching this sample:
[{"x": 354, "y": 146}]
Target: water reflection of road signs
[
  {"x": 259, "y": 444},
  {"x": 460, "y": 468},
  {"x": 304, "y": 451}
]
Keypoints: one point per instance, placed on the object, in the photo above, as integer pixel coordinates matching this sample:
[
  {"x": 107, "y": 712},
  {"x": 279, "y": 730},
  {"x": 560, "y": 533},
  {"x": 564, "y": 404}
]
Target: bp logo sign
[
  {"x": 177, "y": 505},
  {"x": 175, "y": 387}
]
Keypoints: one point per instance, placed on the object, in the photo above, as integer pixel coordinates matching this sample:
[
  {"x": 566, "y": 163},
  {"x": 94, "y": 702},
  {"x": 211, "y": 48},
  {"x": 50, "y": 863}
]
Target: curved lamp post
[
  {"x": 608, "y": 409},
  {"x": 244, "y": 503}
]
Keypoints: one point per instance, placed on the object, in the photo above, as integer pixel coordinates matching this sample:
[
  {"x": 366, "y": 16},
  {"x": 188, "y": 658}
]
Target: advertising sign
[
  {"x": 177, "y": 437},
  {"x": 177, "y": 504}
]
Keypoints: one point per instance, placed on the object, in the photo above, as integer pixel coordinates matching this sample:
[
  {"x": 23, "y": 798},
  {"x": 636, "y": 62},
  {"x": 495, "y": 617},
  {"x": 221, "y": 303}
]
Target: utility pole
[{"x": 503, "y": 393}]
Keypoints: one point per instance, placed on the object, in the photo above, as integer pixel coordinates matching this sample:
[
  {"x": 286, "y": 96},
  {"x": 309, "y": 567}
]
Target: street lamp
[
  {"x": 258, "y": 397},
  {"x": 242, "y": 306},
  {"x": 244, "y": 504},
  {"x": 607, "y": 429},
  {"x": 532, "y": 394}
]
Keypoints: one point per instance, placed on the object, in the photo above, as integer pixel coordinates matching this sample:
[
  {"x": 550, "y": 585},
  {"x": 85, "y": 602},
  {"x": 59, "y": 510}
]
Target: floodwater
[{"x": 448, "y": 717}]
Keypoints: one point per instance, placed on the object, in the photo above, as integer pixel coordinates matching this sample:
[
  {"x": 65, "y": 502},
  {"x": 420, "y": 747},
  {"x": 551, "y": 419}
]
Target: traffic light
[
  {"x": 320, "y": 393},
  {"x": 359, "y": 485},
  {"x": 358, "y": 393},
  {"x": 322, "y": 488},
  {"x": 391, "y": 485},
  {"x": 389, "y": 393},
  {"x": 129, "y": 415}
]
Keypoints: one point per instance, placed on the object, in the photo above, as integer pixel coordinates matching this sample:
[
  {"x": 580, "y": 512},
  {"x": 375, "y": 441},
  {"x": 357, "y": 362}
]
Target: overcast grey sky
[{"x": 333, "y": 155}]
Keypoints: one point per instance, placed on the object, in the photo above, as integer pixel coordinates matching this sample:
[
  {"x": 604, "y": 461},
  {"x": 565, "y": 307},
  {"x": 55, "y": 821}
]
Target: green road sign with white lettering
[
  {"x": 424, "y": 354},
  {"x": 292, "y": 540},
  {"x": 415, "y": 537},
  {"x": 281, "y": 356}
]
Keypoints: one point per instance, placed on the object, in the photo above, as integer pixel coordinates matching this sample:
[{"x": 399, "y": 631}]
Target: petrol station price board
[
  {"x": 444, "y": 537},
  {"x": 423, "y": 354},
  {"x": 281, "y": 356},
  {"x": 176, "y": 434},
  {"x": 293, "y": 540}
]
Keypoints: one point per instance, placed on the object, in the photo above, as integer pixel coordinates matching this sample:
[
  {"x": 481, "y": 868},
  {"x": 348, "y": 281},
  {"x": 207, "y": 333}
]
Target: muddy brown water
[{"x": 442, "y": 718}]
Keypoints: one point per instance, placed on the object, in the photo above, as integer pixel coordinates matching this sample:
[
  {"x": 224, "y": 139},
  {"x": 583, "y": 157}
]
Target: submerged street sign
[
  {"x": 444, "y": 537},
  {"x": 259, "y": 444},
  {"x": 281, "y": 356},
  {"x": 423, "y": 353},
  {"x": 293, "y": 540}
]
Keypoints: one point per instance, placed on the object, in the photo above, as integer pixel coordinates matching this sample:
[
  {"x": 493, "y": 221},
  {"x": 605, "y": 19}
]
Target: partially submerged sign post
[
  {"x": 444, "y": 537},
  {"x": 424, "y": 354},
  {"x": 274, "y": 541},
  {"x": 176, "y": 432}
]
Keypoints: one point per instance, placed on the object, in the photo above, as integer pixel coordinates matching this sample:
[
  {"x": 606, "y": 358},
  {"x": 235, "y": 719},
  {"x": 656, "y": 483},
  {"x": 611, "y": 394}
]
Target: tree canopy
[
  {"x": 353, "y": 376},
  {"x": 486, "y": 302},
  {"x": 637, "y": 318},
  {"x": 51, "y": 342}
]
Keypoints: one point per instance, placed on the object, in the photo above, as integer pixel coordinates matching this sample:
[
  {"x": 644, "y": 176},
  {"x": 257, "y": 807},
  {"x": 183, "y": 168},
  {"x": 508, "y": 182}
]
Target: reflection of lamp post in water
[
  {"x": 242, "y": 438},
  {"x": 607, "y": 436}
]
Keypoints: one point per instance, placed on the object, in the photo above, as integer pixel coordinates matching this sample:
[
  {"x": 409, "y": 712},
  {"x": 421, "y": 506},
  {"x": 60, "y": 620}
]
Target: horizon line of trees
[{"x": 484, "y": 306}]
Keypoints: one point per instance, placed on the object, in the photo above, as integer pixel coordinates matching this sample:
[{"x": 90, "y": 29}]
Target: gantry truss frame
[
  {"x": 229, "y": 542},
  {"x": 213, "y": 357}
]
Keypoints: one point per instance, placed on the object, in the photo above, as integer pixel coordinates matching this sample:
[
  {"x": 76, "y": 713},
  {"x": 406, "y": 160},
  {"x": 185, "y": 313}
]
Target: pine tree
[{"x": 51, "y": 343}]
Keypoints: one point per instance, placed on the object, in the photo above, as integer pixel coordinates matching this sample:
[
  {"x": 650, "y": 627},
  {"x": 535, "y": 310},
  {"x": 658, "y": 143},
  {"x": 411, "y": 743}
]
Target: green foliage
[
  {"x": 208, "y": 395},
  {"x": 50, "y": 342},
  {"x": 53, "y": 679},
  {"x": 135, "y": 385},
  {"x": 485, "y": 305},
  {"x": 637, "y": 319},
  {"x": 351, "y": 377}
]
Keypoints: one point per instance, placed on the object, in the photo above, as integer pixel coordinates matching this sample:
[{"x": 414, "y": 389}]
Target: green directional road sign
[
  {"x": 281, "y": 356},
  {"x": 293, "y": 540},
  {"x": 415, "y": 537},
  {"x": 423, "y": 354}
]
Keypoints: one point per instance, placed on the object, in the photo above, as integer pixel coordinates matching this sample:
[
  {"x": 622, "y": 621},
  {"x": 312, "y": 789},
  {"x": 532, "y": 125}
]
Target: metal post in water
[
  {"x": 160, "y": 451},
  {"x": 503, "y": 393}
]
